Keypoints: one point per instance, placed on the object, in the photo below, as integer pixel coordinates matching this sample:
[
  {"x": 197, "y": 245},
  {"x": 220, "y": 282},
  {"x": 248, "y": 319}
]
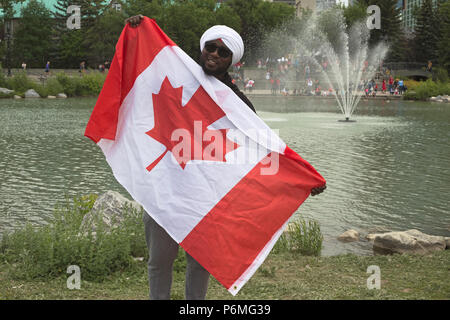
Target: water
[
  {"x": 388, "y": 170},
  {"x": 340, "y": 53}
]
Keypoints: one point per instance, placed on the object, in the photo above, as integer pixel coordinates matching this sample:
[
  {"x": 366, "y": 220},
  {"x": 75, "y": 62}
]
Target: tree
[
  {"x": 8, "y": 13},
  {"x": 71, "y": 46},
  {"x": 32, "y": 44},
  {"x": 354, "y": 13},
  {"x": 101, "y": 38},
  {"x": 152, "y": 9},
  {"x": 426, "y": 34},
  {"x": 259, "y": 18},
  {"x": 391, "y": 30},
  {"x": 184, "y": 22},
  {"x": 443, "y": 44}
]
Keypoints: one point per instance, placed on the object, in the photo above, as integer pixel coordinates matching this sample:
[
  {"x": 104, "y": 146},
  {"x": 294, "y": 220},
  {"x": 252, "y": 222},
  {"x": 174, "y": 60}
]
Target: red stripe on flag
[
  {"x": 135, "y": 51},
  {"x": 229, "y": 238}
]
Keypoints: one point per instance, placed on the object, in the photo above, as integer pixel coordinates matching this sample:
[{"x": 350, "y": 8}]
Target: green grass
[
  {"x": 303, "y": 237},
  {"x": 44, "y": 252},
  {"x": 34, "y": 262},
  {"x": 73, "y": 86},
  {"x": 426, "y": 89},
  {"x": 284, "y": 276}
]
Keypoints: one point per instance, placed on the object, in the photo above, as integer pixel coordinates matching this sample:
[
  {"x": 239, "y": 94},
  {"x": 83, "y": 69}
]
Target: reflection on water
[{"x": 387, "y": 171}]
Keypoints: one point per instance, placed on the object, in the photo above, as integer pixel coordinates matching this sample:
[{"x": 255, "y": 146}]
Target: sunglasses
[{"x": 222, "y": 51}]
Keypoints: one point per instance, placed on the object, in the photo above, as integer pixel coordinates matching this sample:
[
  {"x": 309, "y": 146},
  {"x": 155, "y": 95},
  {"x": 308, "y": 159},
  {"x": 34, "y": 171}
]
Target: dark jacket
[{"x": 238, "y": 92}]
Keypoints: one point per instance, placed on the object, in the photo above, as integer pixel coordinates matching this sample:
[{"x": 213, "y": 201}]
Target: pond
[{"x": 389, "y": 170}]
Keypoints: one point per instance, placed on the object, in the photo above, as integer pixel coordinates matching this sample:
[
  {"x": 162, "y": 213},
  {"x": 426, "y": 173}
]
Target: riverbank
[
  {"x": 35, "y": 263},
  {"x": 285, "y": 276},
  {"x": 264, "y": 93}
]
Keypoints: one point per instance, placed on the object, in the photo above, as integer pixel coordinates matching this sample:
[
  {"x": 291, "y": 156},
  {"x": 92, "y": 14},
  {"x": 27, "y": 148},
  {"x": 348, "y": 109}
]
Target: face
[{"x": 215, "y": 58}]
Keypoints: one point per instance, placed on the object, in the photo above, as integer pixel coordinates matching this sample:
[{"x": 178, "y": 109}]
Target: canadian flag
[{"x": 201, "y": 163}]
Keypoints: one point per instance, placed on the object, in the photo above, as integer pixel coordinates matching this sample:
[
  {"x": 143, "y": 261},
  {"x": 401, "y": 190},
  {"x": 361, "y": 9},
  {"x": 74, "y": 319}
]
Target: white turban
[{"x": 229, "y": 37}]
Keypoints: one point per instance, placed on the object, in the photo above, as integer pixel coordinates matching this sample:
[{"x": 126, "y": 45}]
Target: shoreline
[
  {"x": 282, "y": 276},
  {"x": 266, "y": 93}
]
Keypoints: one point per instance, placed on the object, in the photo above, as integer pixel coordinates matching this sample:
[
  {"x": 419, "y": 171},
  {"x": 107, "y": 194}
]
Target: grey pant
[{"x": 163, "y": 251}]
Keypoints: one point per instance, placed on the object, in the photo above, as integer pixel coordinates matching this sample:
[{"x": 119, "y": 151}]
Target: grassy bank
[
  {"x": 89, "y": 84},
  {"x": 34, "y": 262},
  {"x": 423, "y": 90},
  {"x": 282, "y": 276}
]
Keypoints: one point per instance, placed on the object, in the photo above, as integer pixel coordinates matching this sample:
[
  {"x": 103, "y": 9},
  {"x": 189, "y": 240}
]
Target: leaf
[{"x": 183, "y": 129}]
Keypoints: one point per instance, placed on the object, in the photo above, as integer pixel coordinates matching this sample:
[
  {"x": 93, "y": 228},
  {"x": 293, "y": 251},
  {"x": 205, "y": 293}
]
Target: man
[{"x": 220, "y": 48}]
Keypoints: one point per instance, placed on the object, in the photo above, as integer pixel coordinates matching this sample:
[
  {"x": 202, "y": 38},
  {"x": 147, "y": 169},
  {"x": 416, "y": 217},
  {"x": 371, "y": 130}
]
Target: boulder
[
  {"x": 447, "y": 243},
  {"x": 51, "y": 97},
  {"x": 30, "y": 93},
  {"x": 349, "y": 236},
  {"x": 61, "y": 95},
  {"x": 410, "y": 241},
  {"x": 110, "y": 209},
  {"x": 17, "y": 97},
  {"x": 371, "y": 236},
  {"x": 6, "y": 91}
]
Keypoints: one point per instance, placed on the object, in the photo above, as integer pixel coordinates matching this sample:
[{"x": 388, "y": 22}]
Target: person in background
[{"x": 400, "y": 86}]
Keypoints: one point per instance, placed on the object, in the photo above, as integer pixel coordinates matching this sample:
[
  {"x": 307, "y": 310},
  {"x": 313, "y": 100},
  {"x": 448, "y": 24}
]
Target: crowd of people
[{"x": 289, "y": 76}]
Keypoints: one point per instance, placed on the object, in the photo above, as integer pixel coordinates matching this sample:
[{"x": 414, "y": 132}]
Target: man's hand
[
  {"x": 318, "y": 190},
  {"x": 134, "y": 21}
]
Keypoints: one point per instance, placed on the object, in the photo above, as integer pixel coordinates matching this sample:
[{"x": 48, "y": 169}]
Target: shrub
[
  {"x": 91, "y": 84},
  {"x": 41, "y": 89},
  {"x": 87, "y": 85},
  {"x": 303, "y": 237},
  {"x": 19, "y": 83},
  {"x": 54, "y": 87},
  {"x": 441, "y": 75},
  {"x": 69, "y": 84},
  {"x": 427, "y": 89},
  {"x": 46, "y": 251}
]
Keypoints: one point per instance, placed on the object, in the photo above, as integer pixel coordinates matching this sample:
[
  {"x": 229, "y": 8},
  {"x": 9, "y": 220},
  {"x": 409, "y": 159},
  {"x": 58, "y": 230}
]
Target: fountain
[{"x": 342, "y": 55}]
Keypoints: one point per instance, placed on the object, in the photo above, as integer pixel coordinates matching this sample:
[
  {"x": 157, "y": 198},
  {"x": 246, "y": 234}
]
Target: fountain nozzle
[{"x": 347, "y": 119}]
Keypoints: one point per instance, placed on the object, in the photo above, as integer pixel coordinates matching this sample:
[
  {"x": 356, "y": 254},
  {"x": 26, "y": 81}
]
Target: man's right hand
[{"x": 134, "y": 21}]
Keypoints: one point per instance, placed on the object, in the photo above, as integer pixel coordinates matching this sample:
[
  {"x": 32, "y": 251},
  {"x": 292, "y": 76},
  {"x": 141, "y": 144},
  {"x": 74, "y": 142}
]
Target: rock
[
  {"x": 371, "y": 236},
  {"x": 30, "y": 93},
  {"x": 111, "y": 208},
  {"x": 349, "y": 236},
  {"x": 61, "y": 95},
  {"x": 6, "y": 91},
  {"x": 447, "y": 243},
  {"x": 433, "y": 99},
  {"x": 51, "y": 97},
  {"x": 17, "y": 97},
  {"x": 410, "y": 241}
]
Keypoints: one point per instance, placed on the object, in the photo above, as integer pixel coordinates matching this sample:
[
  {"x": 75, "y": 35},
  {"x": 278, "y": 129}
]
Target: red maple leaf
[{"x": 183, "y": 129}]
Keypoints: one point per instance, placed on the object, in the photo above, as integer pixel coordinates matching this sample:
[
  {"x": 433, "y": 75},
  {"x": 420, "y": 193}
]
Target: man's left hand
[{"x": 318, "y": 190}]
